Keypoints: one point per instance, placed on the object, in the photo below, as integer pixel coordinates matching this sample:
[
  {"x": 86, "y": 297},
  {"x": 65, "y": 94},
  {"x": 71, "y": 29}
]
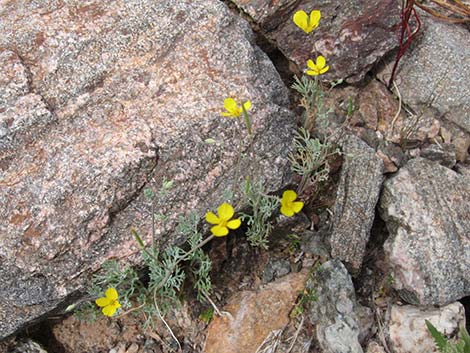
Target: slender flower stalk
[{"x": 247, "y": 120}]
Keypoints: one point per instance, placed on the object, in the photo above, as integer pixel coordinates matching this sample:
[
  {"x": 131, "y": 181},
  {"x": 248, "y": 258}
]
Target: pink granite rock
[
  {"x": 255, "y": 314},
  {"x": 425, "y": 207},
  {"x": 407, "y": 326},
  {"x": 101, "y": 99},
  {"x": 352, "y": 35}
]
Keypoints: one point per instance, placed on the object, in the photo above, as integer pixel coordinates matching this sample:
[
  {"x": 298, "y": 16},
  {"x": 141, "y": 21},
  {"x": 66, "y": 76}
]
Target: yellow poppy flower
[
  {"x": 317, "y": 68},
  {"x": 289, "y": 206},
  {"x": 109, "y": 302},
  {"x": 307, "y": 22},
  {"x": 223, "y": 221},
  {"x": 233, "y": 109}
]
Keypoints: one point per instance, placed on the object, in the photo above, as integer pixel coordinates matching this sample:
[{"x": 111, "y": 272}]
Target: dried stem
[{"x": 406, "y": 35}]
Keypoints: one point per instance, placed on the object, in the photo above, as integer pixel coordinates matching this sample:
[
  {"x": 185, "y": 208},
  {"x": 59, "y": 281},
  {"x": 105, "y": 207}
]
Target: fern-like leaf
[{"x": 439, "y": 339}]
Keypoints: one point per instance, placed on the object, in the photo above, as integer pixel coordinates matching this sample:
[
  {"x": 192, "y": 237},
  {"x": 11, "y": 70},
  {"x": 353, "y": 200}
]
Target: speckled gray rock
[
  {"x": 28, "y": 346},
  {"x": 443, "y": 154},
  {"x": 426, "y": 208},
  {"x": 424, "y": 80},
  {"x": 336, "y": 313},
  {"x": 103, "y": 99},
  {"x": 21, "y": 110},
  {"x": 275, "y": 268},
  {"x": 407, "y": 327},
  {"x": 374, "y": 347},
  {"x": 358, "y": 192},
  {"x": 353, "y": 35}
]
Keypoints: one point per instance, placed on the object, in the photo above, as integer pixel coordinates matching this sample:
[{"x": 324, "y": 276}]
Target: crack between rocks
[
  {"x": 278, "y": 59},
  {"x": 31, "y": 90}
]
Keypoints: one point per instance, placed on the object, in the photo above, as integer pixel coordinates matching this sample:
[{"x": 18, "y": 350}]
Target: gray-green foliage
[
  {"x": 167, "y": 270},
  {"x": 444, "y": 346},
  {"x": 310, "y": 155},
  {"x": 117, "y": 276},
  {"x": 259, "y": 225},
  {"x": 310, "y": 158},
  {"x": 114, "y": 275},
  {"x": 313, "y": 101}
]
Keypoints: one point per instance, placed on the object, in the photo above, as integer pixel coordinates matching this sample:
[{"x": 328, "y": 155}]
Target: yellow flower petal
[
  {"x": 219, "y": 231},
  {"x": 212, "y": 218},
  {"x": 301, "y": 20},
  {"x": 311, "y": 64},
  {"x": 289, "y": 195},
  {"x": 234, "y": 223},
  {"x": 297, "y": 206},
  {"x": 233, "y": 110},
  {"x": 101, "y": 302},
  {"x": 325, "y": 69},
  {"x": 247, "y": 105},
  {"x": 230, "y": 104},
  {"x": 109, "y": 310},
  {"x": 321, "y": 62},
  {"x": 312, "y": 72},
  {"x": 315, "y": 16},
  {"x": 225, "y": 212},
  {"x": 286, "y": 211},
  {"x": 116, "y": 304},
  {"x": 111, "y": 294}
]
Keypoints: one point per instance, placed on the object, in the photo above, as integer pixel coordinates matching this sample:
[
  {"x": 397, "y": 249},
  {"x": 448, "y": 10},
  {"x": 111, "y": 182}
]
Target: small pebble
[{"x": 133, "y": 348}]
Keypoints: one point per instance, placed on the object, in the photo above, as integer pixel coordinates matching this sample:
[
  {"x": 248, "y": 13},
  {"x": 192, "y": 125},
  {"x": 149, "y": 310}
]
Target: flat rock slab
[
  {"x": 357, "y": 195},
  {"x": 352, "y": 35},
  {"x": 341, "y": 322},
  {"x": 101, "y": 100},
  {"x": 425, "y": 81},
  {"x": 407, "y": 326},
  {"x": 255, "y": 314},
  {"x": 426, "y": 208}
]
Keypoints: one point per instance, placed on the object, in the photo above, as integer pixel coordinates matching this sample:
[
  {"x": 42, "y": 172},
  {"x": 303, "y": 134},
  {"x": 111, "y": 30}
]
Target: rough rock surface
[
  {"x": 377, "y": 117},
  {"x": 21, "y": 110},
  {"x": 101, "y": 99},
  {"x": 374, "y": 347},
  {"x": 255, "y": 315},
  {"x": 353, "y": 35},
  {"x": 425, "y": 82},
  {"x": 354, "y": 211},
  {"x": 409, "y": 334},
  {"x": 426, "y": 207},
  {"x": 341, "y": 322},
  {"x": 28, "y": 346},
  {"x": 443, "y": 154}
]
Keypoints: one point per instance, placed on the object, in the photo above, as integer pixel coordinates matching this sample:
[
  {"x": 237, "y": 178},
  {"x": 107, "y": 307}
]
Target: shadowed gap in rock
[
  {"x": 466, "y": 303},
  {"x": 42, "y": 334}
]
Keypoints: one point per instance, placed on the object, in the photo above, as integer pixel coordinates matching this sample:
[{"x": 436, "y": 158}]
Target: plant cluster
[
  {"x": 305, "y": 298},
  {"x": 157, "y": 287}
]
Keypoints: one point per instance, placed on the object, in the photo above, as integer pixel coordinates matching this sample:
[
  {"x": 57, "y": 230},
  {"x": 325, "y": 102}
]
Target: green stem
[
  {"x": 141, "y": 244},
  {"x": 172, "y": 269},
  {"x": 184, "y": 258},
  {"x": 247, "y": 121}
]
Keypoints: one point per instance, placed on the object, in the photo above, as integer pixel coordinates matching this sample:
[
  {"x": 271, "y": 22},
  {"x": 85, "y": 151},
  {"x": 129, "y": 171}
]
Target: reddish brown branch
[
  {"x": 456, "y": 9},
  {"x": 406, "y": 34}
]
